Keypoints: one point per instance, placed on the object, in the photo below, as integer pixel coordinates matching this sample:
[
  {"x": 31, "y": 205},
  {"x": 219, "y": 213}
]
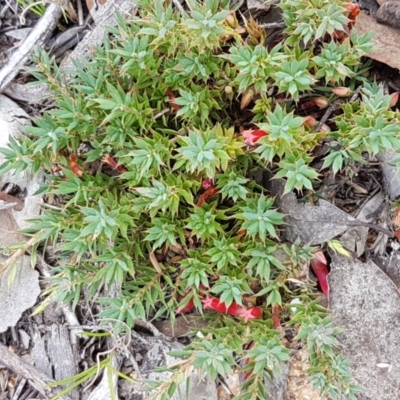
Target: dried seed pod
[
  {"x": 394, "y": 97},
  {"x": 246, "y": 98},
  {"x": 342, "y": 91},
  {"x": 310, "y": 121},
  {"x": 321, "y": 102},
  {"x": 228, "y": 89},
  {"x": 231, "y": 21},
  {"x": 325, "y": 128}
]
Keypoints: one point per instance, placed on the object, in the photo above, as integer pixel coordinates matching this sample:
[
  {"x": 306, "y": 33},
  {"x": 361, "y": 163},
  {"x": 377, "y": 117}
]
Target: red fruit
[
  {"x": 214, "y": 303},
  {"x": 251, "y": 136},
  {"x": 252, "y": 313},
  {"x": 235, "y": 309},
  {"x": 189, "y": 306},
  {"x": 320, "y": 256},
  {"x": 320, "y": 269}
]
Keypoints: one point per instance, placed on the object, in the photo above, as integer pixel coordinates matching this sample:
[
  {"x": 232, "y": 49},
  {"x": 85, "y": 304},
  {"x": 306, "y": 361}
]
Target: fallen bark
[
  {"x": 38, "y": 36},
  {"x": 37, "y": 379}
]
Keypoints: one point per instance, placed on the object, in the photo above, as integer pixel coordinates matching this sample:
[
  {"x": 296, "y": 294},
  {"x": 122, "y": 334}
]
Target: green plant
[
  {"x": 367, "y": 126},
  {"x": 154, "y": 185},
  {"x": 316, "y": 330},
  {"x": 312, "y": 21}
]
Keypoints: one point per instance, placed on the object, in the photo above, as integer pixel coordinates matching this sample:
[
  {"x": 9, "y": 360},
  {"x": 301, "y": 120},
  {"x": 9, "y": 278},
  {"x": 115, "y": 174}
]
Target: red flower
[
  {"x": 250, "y": 313},
  {"x": 251, "y": 136},
  {"x": 207, "y": 183}
]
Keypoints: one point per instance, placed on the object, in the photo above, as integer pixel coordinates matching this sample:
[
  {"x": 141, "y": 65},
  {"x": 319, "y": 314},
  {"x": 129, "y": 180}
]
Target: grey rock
[
  {"x": 25, "y": 338},
  {"x": 19, "y": 290},
  {"x": 278, "y": 386},
  {"x": 391, "y": 177},
  {"x": 389, "y": 13},
  {"x": 200, "y": 389},
  {"x": 370, "y": 6},
  {"x": 355, "y": 239},
  {"x": 366, "y": 304},
  {"x": 390, "y": 266},
  {"x": 12, "y": 120}
]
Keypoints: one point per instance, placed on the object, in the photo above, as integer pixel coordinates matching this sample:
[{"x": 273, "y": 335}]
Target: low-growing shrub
[{"x": 149, "y": 156}]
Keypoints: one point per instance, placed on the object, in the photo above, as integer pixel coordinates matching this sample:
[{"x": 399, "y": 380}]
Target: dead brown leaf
[{"x": 386, "y": 40}]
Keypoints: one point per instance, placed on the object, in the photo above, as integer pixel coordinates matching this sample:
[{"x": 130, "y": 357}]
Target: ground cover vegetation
[{"x": 148, "y": 157}]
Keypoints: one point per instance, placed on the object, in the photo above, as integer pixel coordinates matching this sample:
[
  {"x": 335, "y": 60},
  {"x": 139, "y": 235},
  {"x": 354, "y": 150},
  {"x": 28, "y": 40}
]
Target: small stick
[
  {"x": 333, "y": 107},
  {"x": 354, "y": 96},
  {"x": 161, "y": 113},
  {"x": 178, "y": 5},
  {"x": 273, "y": 25},
  {"x": 330, "y": 110},
  {"x": 80, "y": 12},
  {"x": 393, "y": 86},
  {"x": 19, "y": 389}
]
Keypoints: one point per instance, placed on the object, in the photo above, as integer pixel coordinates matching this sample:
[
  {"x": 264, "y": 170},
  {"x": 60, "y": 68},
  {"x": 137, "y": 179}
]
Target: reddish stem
[
  {"x": 247, "y": 374},
  {"x": 75, "y": 168},
  {"x": 206, "y": 195},
  {"x": 171, "y": 98},
  {"x": 276, "y": 319}
]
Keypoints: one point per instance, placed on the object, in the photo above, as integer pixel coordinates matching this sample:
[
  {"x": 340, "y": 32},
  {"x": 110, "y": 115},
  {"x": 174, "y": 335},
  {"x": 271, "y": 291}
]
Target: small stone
[
  {"x": 389, "y": 13},
  {"x": 18, "y": 292}
]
